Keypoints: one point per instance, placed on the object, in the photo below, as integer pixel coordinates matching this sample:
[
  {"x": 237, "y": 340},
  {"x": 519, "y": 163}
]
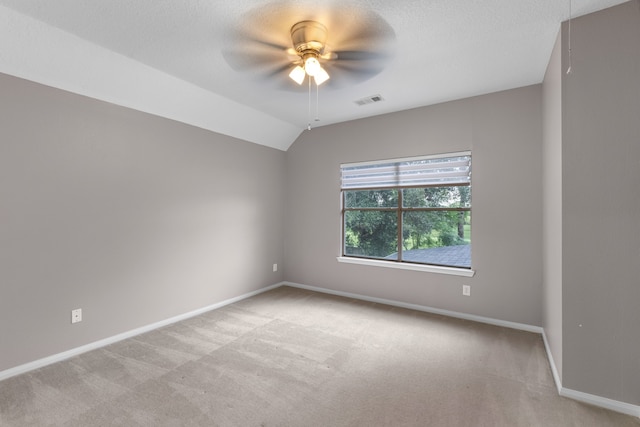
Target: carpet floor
[{"x": 291, "y": 357}]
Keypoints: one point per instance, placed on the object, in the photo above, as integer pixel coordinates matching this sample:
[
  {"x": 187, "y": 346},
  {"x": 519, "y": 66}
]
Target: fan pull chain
[
  {"x": 317, "y": 119},
  {"x": 309, "y": 111},
  {"x": 317, "y": 101},
  {"x": 569, "y": 40}
]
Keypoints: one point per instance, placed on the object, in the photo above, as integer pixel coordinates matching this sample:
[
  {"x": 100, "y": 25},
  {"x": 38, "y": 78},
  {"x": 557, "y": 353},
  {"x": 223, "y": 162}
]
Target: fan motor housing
[{"x": 308, "y": 36}]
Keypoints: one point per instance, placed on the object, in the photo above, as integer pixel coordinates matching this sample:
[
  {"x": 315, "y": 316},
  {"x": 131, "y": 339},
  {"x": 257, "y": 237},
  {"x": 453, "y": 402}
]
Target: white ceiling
[{"x": 173, "y": 58}]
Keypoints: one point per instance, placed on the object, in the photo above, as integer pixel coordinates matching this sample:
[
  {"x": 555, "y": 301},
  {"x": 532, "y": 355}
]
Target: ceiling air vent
[{"x": 369, "y": 100}]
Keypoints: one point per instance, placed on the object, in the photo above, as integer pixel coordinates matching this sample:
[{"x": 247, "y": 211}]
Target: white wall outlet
[
  {"x": 275, "y": 267},
  {"x": 76, "y": 315},
  {"x": 466, "y": 290}
]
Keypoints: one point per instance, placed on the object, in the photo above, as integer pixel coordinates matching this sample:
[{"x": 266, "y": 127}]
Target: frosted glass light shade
[
  {"x": 321, "y": 76},
  {"x": 297, "y": 74},
  {"x": 311, "y": 66}
]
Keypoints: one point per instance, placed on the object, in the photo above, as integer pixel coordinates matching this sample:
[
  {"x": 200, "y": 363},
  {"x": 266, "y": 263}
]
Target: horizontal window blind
[{"x": 447, "y": 169}]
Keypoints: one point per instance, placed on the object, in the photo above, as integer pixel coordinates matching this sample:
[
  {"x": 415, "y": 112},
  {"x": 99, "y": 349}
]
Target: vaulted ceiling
[{"x": 223, "y": 65}]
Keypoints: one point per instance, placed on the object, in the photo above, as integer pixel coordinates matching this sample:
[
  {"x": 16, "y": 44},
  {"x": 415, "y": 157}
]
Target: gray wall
[
  {"x": 552, "y": 204},
  {"x": 504, "y": 132},
  {"x": 130, "y": 217},
  {"x": 601, "y": 208}
]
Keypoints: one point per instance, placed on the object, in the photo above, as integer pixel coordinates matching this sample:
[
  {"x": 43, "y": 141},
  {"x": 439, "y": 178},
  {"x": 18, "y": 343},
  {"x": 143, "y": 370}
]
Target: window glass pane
[
  {"x": 371, "y": 234},
  {"x": 442, "y": 238},
  {"x": 371, "y": 199},
  {"x": 437, "y": 197}
]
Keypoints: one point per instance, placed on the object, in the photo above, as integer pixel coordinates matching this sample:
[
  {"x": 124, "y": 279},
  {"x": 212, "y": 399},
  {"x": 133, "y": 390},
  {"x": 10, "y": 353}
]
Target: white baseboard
[
  {"x": 21, "y": 369},
  {"x": 603, "y": 402},
  {"x": 552, "y": 363},
  {"x": 426, "y": 309},
  {"x": 591, "y": 399}
]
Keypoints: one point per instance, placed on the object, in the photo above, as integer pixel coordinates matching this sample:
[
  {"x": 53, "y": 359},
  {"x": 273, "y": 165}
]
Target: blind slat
[{"x": 417, "y": 171}]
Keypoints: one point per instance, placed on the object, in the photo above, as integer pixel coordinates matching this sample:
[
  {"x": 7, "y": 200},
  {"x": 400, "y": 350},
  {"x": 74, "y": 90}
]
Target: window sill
[{"x": 408, "y": 266}]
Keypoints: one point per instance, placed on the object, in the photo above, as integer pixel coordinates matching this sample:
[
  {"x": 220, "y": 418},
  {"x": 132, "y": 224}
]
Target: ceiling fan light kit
[{"x": 309, "y": 38}]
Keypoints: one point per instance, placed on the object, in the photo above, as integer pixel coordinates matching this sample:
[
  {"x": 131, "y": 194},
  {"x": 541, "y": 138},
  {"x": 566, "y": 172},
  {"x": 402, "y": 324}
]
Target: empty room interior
[{"x": 320, "y": 213}]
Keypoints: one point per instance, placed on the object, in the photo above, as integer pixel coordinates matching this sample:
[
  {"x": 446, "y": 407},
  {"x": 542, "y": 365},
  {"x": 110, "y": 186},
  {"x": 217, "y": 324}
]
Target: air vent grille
[{"x": 369, "y": 100}]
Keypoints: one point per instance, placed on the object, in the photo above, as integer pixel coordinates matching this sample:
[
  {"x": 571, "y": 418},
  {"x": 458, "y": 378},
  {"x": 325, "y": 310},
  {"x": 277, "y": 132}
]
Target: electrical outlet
[
  {"x": 466, "y": 290},
  {"x": 275, "y": 267},
  {"x": 76, "y": 315}
]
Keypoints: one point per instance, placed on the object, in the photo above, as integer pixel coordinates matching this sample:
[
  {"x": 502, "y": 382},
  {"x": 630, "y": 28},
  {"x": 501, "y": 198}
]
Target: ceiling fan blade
[
  {"x": 256, "y": 43},
  {"x": 246, "y": 60},
  {"x": 360, "y": 55},
  {"x": 360, "y": 69},
  {"x": 345, "y": 74},
  {"x": 354, "y": 29},
  {"x": 282, "y": 69}
]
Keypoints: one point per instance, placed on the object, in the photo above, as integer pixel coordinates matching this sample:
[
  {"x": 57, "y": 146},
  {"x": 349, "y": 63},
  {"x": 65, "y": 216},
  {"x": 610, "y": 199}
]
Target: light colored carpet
[{"x": 291, "y": 357}]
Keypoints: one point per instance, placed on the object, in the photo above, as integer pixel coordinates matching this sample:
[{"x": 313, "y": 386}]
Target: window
[{"x": 415, "y": 210}]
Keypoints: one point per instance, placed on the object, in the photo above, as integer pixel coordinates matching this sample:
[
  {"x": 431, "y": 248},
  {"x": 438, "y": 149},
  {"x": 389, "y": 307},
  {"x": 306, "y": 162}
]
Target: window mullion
[
  {"x": 423, "y": 209},
  {"x": 387, "y": 209}
]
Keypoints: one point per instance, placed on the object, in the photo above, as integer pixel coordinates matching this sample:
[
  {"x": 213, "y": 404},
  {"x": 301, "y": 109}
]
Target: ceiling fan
[
  {"x": 341, "y": 45},
  {"x": 309, "y": 38}
]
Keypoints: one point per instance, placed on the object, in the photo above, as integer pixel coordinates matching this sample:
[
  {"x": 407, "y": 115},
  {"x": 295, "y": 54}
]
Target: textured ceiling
[{"x": 184, "y": 59}]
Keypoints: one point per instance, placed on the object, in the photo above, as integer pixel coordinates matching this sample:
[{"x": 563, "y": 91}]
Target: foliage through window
[{"x": 414, "y": 210}]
